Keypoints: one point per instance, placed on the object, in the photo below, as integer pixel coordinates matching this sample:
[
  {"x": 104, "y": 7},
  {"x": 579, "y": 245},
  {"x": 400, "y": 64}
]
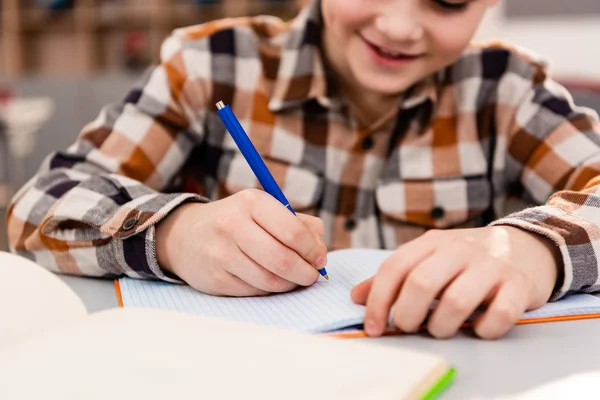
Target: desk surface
[{"x": 530, "y": 355}]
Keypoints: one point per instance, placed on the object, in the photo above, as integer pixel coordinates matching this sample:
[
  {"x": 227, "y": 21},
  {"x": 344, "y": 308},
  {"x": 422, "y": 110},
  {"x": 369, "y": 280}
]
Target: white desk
[{"x": 530, "y": 355}]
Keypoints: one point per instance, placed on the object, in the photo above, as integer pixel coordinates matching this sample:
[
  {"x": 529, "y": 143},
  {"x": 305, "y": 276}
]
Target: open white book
[
  {"x": 51, "y": 348},
  {"x": 324, "y": 307}
]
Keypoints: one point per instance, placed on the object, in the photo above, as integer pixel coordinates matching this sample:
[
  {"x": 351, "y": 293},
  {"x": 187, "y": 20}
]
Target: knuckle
[
  {"x": 464, "y": 243},
  {"x": 295, "y": 234},
  {"x": 389, "y": 265},
  {"x": 219, "y": 281},
  {"x": 397, "y": 320},
  {"x": 274, "y": 283},
  {"x": 285, "y": 265},
  {"x": 457, "y": 303},
  {"x": 228, "y": 220},
  {"x": 404, "y": 325},
  {"x": 249, "y": 196},
  {"x": 292, "y": 235},
  {"x": 223, "y": 222},
  {"x": 517, "y": 277},
  {"x": 420, "y": 283},
  {"x": 504, "y": 314},
  {"x": 511, "y": 276}
]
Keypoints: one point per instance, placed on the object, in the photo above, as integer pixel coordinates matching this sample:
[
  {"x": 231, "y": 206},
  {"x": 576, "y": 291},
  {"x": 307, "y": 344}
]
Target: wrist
[
  {"x": 542, "y": 260},
  {"x": 169, "y": 233}
]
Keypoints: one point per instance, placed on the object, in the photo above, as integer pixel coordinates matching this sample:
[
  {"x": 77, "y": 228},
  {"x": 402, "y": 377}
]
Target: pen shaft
[{"x": 251, "y": 155}]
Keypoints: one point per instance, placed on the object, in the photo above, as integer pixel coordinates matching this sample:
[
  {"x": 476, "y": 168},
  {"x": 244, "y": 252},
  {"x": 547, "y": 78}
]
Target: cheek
[
  {"x": 449, "y": 39},
  {"x": 344, "y": 16}
]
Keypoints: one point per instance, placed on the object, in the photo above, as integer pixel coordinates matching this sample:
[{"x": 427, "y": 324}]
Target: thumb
[
  {"x": 315, "y": 225},
  {"x": 360, "y": 292}
]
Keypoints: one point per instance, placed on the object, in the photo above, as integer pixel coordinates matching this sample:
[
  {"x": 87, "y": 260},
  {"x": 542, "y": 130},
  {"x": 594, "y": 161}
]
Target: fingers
[
  {"x": 287, "y": 228},
  {"x": 505, "y": 310},
  {"x": 361, "y": 291},
  {"x": 387, "y": 282},
  {"x": 276, "y": 267},
  {"x": 423, "y": 284},
  {"x": 316, "y": 226},
  {"x": 255, "y": 275},
  {"x": 462, "y": 298},
  {"x": 223, "y": 283}
]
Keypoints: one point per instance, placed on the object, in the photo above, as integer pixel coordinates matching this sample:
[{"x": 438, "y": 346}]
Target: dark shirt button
[
  {"x": 367, "y": 143},
  {"x": 130, "y": 224},
  {"x": 437, "y": 213},
  {"x": 350, "y": 224}
]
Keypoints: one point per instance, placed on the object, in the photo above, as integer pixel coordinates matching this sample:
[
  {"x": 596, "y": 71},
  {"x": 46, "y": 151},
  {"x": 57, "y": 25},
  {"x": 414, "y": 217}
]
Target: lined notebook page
[
  {"x": 322, "y": 307},
  {"x": 577, "y": 304}
]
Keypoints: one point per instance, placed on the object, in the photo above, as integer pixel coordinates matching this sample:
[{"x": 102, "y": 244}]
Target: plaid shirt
[{"x": 490, "y": 127}]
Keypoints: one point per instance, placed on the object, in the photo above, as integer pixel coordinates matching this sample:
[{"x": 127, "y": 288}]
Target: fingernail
[{"x": 321, "y": 261}]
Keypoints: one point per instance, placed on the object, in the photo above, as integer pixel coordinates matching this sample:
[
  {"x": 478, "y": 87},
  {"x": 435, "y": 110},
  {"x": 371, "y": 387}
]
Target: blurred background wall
[
  {"x": 85, "y": 53},
  {"x": 82, "y": 54},
  {"x": 566, "y": 32}
]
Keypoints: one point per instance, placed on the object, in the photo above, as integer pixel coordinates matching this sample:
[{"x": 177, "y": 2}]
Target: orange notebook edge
[
  {"x": 558, "y": 318},
  {"x": 360, "y": 334},
  {"x": 118, "y": 291}
]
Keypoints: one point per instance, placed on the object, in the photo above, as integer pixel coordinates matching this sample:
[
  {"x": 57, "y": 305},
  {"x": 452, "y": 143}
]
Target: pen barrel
[{"x": 251, "y": 155}]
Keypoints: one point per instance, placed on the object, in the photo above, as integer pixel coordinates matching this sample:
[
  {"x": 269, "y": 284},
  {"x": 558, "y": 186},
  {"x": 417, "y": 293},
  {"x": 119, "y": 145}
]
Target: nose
[{"x": 400, "y": 22}]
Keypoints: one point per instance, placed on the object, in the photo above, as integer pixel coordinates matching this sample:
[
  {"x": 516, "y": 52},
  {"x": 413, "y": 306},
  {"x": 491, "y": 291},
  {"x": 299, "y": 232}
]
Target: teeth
[{"x": 389, "y": 53}]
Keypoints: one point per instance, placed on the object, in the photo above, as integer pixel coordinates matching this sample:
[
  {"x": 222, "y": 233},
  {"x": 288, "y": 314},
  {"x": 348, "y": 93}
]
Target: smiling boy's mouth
[{"x": 388, "y": 53}]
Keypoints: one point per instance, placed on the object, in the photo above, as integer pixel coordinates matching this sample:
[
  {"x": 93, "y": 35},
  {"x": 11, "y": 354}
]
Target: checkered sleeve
[
  {"x": 91, "y": 210},
  {"x": 553, "y": 150}
]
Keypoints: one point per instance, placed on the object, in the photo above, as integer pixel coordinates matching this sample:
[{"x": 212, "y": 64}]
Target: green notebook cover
[{"x": 440, "y": 387}]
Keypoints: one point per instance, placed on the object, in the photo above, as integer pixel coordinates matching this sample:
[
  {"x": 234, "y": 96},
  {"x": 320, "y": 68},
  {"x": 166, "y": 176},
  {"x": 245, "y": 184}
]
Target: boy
[{"x": 383, "y": 126}]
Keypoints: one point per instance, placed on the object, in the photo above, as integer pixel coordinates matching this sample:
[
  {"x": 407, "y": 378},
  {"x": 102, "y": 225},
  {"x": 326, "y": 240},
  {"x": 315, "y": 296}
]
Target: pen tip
[
  {"x": 326, "y": 276},
  {"x": 220, "y": 105}
]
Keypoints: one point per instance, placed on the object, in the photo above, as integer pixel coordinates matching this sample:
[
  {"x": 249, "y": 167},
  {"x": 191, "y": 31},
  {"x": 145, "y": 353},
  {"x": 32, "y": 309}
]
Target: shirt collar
[
  {"x": 302, "y": 75},
  {"x": 425, "y": 90}
]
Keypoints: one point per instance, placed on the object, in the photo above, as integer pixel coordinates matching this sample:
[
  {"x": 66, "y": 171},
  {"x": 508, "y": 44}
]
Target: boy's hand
[
  {"x": 247, "y": 244},
  {"x": 507, "y": 269}
]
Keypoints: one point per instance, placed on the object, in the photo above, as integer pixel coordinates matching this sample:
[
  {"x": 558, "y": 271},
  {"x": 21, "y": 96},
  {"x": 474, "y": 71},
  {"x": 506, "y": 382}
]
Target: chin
[{"x": 384, "y": 86}]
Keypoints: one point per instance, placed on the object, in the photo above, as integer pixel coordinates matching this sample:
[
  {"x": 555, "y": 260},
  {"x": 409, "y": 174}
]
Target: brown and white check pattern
[{"x": 491, "y": 127}]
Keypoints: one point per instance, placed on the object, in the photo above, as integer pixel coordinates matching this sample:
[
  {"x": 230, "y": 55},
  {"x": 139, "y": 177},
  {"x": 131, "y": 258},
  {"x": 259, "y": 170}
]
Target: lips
[{"x": 390, "y": 55}]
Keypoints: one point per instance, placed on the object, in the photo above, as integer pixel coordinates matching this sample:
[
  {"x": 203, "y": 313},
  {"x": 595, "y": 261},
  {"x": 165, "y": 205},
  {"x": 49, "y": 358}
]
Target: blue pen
[{"x": 254, "y": 160}]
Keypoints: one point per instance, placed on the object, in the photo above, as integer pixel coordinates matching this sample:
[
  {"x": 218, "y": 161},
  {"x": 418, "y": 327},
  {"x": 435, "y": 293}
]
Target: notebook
[
  {"x": 325, "y": 307},
  {"x": 52, "y": 348}
]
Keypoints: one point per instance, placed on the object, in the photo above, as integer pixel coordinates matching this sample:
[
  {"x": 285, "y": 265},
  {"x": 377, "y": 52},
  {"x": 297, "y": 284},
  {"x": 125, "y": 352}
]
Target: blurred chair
[{"x": 20, "y": 120}]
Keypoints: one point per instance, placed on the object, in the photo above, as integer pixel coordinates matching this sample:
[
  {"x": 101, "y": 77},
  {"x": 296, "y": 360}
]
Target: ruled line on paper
[{"x": 324, "y": 306}]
